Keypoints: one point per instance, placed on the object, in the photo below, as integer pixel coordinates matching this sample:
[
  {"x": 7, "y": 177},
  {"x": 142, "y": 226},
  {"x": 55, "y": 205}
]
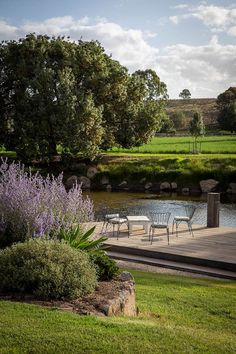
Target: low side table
[{"x": 137, "y": 220}]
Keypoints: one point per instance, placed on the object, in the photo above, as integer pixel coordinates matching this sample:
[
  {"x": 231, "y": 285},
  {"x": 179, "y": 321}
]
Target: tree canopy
[
  {"x": 56, "y": 92},
  {"x": 226, "y": 103},
  {"x": 185, "y": 94},
  {"x": 179, "y": 120}
]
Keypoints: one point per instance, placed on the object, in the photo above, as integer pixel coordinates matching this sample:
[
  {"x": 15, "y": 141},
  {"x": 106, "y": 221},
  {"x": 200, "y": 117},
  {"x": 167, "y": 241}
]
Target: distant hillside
[{"x": 207, "y": 106}]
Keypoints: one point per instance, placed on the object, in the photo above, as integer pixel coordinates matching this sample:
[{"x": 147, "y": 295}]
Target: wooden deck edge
[
  {"x": 173, "y": 257},
  {"x": 213, "y": 272}
]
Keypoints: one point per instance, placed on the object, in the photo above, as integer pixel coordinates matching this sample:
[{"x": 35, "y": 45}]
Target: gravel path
[{"x": 161, "y": 270}]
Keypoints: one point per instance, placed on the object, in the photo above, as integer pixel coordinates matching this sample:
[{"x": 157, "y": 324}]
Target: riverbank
[{"x": 181, "y": 173}]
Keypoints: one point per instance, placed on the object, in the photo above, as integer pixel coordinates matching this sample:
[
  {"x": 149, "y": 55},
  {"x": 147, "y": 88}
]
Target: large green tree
[
  {"x": 53, "y": 91},
  {"x": 47, "y": 104},
  {"x": 226, "y": 103},
  {"x": 139, "y": 115}
]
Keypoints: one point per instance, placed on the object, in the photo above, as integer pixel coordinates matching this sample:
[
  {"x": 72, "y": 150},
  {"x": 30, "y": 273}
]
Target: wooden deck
[{"x": 214, "y": 247}]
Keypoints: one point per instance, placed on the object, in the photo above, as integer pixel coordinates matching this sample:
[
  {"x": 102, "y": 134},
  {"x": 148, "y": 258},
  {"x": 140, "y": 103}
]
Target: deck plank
[{"x": 217, "y": 244}]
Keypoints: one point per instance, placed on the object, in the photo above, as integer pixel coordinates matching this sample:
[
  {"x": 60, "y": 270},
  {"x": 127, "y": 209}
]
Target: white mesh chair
[
  {"x": 117, "y": 221},
  {"x": 159, "y": 221},
  {"x": 189, "y": 210},
  {"x": 106, "y": 217}
]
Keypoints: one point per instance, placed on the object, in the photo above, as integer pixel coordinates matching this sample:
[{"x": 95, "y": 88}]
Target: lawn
[
  {"x": 183, "y": 144},
  {"x": 177, "y": 315}
]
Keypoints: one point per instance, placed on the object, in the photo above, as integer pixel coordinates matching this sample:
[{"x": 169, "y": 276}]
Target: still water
[{"x": 142, "y": 203}]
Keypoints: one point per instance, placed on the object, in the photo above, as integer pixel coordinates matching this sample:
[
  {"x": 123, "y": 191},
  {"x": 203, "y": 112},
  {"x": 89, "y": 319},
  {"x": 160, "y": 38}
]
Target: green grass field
[
  {"x": 183, "y": 144},
  {"x": 177, "y": 315},
  {"x": 217, "y": 145}
]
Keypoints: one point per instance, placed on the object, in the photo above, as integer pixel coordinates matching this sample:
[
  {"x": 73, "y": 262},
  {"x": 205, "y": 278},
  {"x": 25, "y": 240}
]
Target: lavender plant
[{"x": 32, "y": 206}]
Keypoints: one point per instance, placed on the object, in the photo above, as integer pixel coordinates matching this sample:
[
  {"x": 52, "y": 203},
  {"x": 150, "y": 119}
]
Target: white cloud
[
  {"x": 51, "y": 26},
  {"x": 217, "y": 18},
  {"x": 205, "y": 70},
  {"x": 180, "y": 6},
  {"x": 232, "y": 31},
  {"x": 174, "y": 19},
  {"x": 7, "y": 31},
  {"x": 212, "y": 16}
]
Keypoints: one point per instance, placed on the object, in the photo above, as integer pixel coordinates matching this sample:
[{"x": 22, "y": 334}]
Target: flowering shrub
[{"x": 32, "y": 206}]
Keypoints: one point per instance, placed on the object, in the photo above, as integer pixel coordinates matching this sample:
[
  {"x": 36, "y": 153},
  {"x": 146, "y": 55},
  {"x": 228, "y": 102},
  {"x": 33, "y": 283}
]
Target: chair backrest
[
  {"x": 190, "y": 210},
  {"x": 159, "y": 218},
  {"x": 107, "y": 213},
  {"x": 111, "y": 216},
  {"x": 139, "y": 212}
]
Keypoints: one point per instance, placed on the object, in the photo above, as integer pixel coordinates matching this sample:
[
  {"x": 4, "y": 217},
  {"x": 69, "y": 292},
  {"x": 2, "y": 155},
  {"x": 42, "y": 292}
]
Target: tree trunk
[{"x": 52, "y": 148}]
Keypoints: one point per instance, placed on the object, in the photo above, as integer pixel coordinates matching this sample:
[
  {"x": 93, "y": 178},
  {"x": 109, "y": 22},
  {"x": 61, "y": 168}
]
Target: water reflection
[{"x": 133, "y": 203}]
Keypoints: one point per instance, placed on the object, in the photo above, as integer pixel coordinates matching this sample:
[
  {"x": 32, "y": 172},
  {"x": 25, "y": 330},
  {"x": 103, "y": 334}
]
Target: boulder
[
  {"x": 126, "y": 276},
  {"x": 124, "y": 302},
  {"x": 232, "y": 188},
  {"x": 174, "y": 185},
  {"x": 104, "y": 180},
  {"x": 185, "y": 190},
  {"x": 85, "y": 182},
  {"x": 71, "y": 182},
  {"x": 123, "y": 184},
  {"x": 108, "y": 188},
  {"x": 165, "y": 186},
  {"x": 208, "y": 185},
  {"x": 91, "y": 172},
  {"x": 148, "y": 185},
  {"x": 143, "y": 180}
]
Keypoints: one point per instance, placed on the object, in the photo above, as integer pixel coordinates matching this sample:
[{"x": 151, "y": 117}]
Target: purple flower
[{"x": 42, "y": 206}]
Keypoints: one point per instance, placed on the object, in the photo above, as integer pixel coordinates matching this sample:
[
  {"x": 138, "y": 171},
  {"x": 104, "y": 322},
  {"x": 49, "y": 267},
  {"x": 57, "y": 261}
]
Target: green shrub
[
  {"x": 106, "y": 267},
  {"x": 46, "y": 269}
]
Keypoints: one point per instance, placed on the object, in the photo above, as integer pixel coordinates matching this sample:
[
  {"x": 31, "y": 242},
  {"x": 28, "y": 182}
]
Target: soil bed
[{"x": 110, "y": 298}]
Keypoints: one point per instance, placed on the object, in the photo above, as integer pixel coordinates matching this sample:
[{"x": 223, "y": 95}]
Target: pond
[{"x": 128, "y": 203}]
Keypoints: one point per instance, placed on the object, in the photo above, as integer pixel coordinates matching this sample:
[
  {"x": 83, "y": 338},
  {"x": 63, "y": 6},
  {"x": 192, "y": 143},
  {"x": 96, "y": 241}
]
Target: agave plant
[{"x": 79, "y": 239}]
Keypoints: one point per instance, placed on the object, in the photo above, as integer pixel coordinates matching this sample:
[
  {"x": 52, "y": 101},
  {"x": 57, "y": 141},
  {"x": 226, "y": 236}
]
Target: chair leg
[
  {"x": 177, "y": 231},
  {"x": 104, "y": 226},
  {"x": 102, "y": 229},
  {"x": 191, "y": 229},
  {"x": 168, "y": 235},
  {"x": 188, "y": 227},
  {"x": 152, "y": 234},
  {"x": 149, "y": 234},
  {"x": 176, "y": 224},
  {"x": 118, "y": 231}
]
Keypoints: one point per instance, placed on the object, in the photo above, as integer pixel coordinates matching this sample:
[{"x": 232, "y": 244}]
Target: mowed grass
[
  {"x": 177, "y": 315},
  {"x": 184, "y": 144}
]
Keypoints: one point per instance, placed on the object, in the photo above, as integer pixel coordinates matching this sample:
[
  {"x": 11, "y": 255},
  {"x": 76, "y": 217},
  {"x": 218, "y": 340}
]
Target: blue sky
[{"x": 190, "y": 44}]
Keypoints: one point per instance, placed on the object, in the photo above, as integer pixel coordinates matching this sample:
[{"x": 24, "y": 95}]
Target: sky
[{"x": 190, "y": 44}]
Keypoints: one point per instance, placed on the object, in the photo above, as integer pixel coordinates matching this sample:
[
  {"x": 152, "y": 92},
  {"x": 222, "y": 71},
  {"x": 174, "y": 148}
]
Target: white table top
[{"x": 137, "y": 218}]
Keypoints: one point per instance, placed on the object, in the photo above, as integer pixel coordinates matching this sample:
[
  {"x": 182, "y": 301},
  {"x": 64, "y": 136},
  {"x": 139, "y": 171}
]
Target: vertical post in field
[{"x": 213, "y": 209}]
